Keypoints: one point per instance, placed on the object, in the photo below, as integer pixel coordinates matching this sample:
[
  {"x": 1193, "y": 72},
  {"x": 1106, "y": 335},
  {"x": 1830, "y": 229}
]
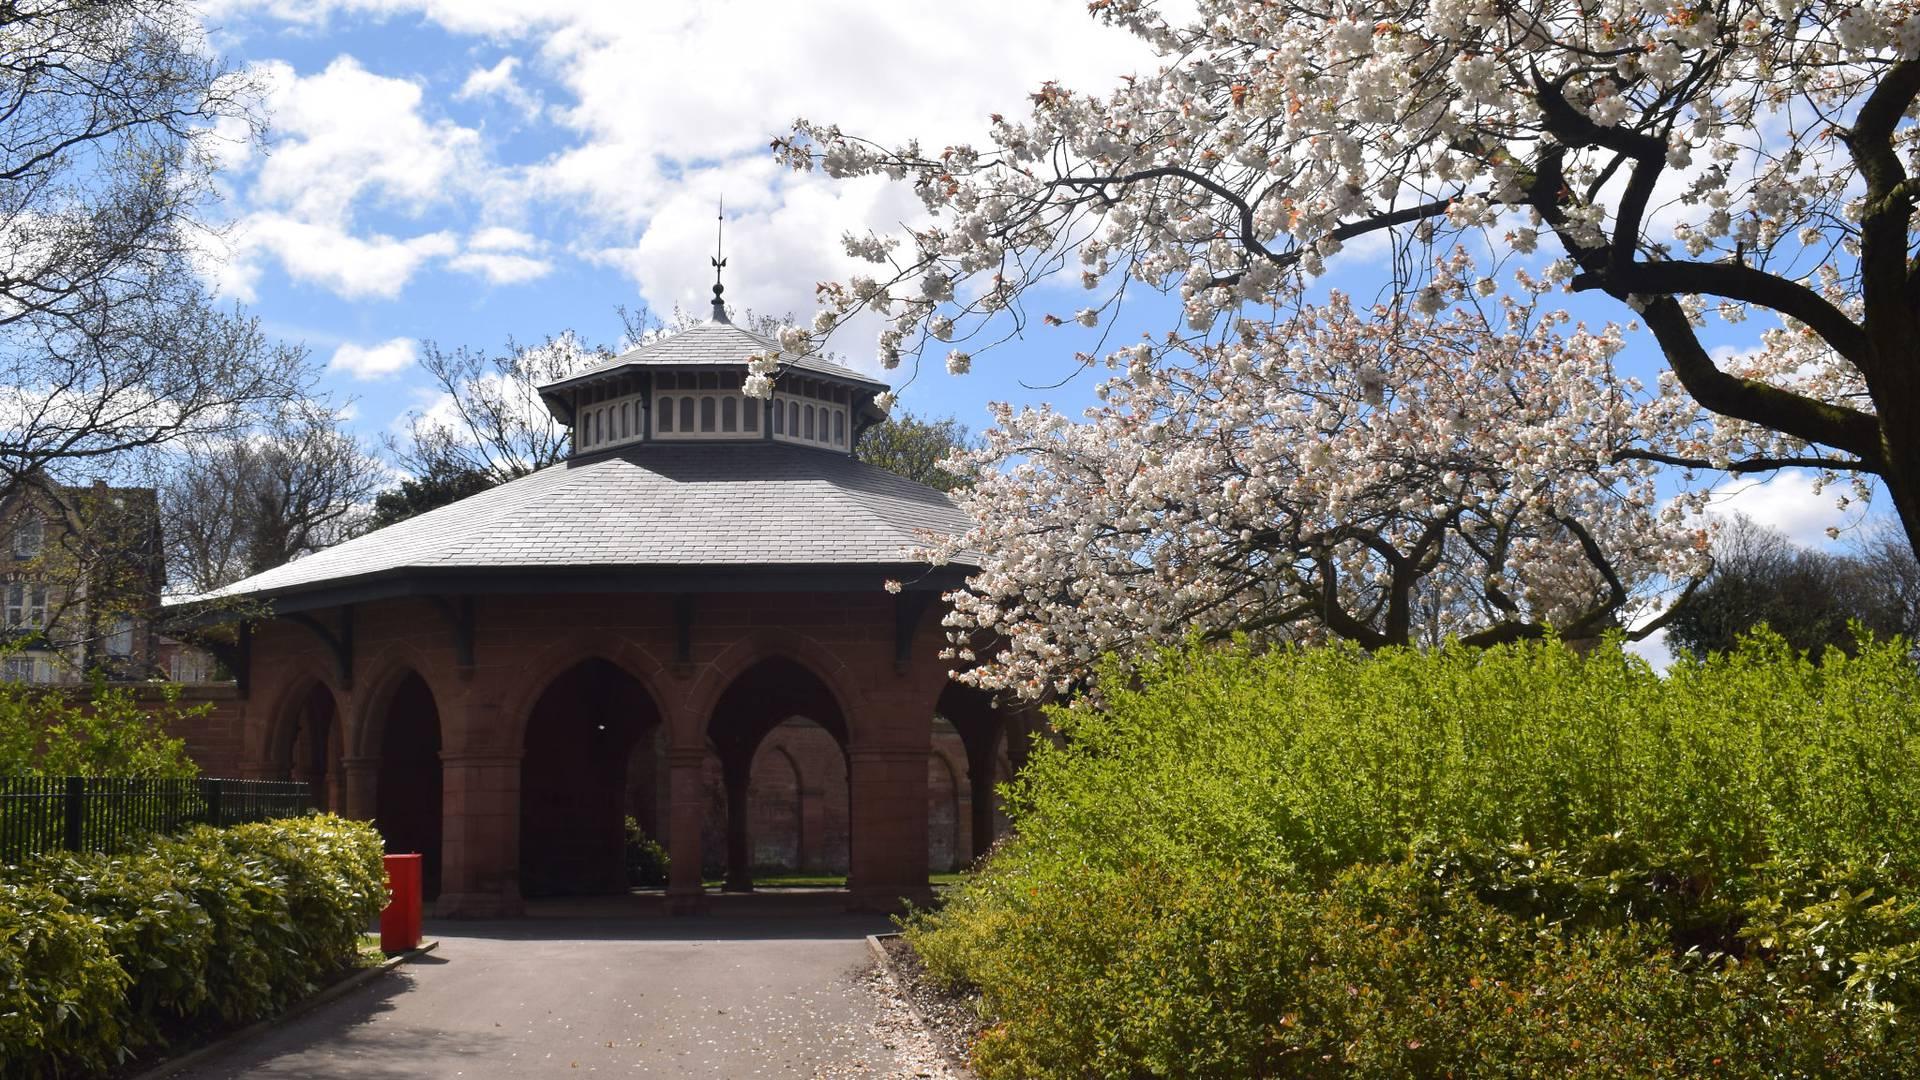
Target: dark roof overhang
[{"x": 665, "y": 580}]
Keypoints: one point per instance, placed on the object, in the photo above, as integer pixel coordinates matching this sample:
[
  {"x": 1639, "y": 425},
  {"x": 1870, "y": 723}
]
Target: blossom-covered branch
[
  {"x": 1331, "y": 475},
  {"x": 1724, "y": 158}
]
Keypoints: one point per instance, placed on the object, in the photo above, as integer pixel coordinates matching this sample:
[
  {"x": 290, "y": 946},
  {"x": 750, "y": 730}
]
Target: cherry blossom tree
[
  {"x": 1690, "y": 161},
  {"x": 1331, "y": 474}
]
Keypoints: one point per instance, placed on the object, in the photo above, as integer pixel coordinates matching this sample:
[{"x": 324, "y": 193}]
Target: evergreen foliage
[
  {"x": 1514, "y": 861},
  {"x": 104, "y": 956}
]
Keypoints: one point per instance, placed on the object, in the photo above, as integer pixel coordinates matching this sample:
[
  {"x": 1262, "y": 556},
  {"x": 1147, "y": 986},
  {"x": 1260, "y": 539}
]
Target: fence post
[
  {"x": 76, "y": 808},
  {"x": 212, "y": 793}
]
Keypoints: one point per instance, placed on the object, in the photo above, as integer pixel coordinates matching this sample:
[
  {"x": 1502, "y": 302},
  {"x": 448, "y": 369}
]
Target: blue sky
[{"x": 466, "y": 171}]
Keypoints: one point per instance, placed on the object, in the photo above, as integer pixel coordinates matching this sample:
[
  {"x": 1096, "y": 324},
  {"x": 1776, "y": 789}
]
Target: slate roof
[
  {"x": 715, "y": 343},
  {"x": 649, "y": 505}
]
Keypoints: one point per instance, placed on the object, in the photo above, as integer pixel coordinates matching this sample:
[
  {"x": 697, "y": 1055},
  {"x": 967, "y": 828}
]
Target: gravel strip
[
  {"x": 901, "y": 1046},
  {"x": 951, "y": 1018}
]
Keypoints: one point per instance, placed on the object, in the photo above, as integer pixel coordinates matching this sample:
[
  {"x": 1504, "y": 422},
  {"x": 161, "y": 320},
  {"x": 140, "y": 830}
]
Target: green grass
[
  {"x": 788, "y": 881},
  {"x": 823, "y": 881}
]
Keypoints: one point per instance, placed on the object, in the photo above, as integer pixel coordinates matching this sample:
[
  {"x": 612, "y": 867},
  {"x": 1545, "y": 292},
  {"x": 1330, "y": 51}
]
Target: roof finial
[{"x": 719, "y": 264}]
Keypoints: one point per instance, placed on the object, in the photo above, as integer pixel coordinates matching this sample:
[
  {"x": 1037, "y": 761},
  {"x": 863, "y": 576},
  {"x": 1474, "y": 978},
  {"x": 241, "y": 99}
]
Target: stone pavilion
[{"x": 656, "y": 627}]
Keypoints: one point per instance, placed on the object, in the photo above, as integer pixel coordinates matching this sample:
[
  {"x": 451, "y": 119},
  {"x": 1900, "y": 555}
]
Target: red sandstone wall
[{"x": 522, "y": 643}]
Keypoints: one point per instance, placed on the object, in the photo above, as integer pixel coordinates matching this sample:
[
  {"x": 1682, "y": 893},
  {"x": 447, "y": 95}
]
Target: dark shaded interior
[
  {"x": 407, "y": 801},
  {"x": 573, "y": 780}
]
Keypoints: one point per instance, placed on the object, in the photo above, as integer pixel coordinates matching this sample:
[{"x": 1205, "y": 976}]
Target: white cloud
[
  {"x": 347, "y": 134},
  {"x": 343, "y": 139},
  {"x": 501, "y": 238},
  {"x": 502, "y": 256},
  {"x": 1654, "y": 650},
  {"x": 354, "y": 267},
  {"x": 655, "y": 118},
  {"x": 374, "y": 361},
  {"x": 499, "y": 82},
  {"x": 1786, "y": 502},
  {"x": 500, "y": 269}
]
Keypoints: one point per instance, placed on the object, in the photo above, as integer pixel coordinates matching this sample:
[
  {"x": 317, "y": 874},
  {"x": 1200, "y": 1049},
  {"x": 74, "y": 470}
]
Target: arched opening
[
  {"x": 783, "y": 706},
  {"x": 946, "y": 842},
  {"x": 776, "y": 810},
  {"x": 309, "y": 751},
  {"x": 407, "y": 799},
  {"x": 577, "y": 782},
  {"x": 981, "y": 732},
  {"x": 797, "y": 807}
]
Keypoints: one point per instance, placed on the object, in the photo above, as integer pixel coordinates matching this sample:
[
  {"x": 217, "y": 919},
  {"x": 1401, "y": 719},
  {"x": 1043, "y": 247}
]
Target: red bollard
[{"x": 400, "y": 919}]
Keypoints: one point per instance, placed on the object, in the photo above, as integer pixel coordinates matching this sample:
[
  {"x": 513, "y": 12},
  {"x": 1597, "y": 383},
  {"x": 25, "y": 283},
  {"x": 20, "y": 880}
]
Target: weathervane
[{"x": 719, "y": 264}]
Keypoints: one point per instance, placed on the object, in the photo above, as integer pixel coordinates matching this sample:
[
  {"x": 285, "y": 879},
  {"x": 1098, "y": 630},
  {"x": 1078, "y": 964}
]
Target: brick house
[
  {"x": 685, "y": 621},
  {"x": 83, "y": 571}
]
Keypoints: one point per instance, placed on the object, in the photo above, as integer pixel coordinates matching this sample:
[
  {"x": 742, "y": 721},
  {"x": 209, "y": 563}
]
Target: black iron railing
[{"x": 75, "y": 813}]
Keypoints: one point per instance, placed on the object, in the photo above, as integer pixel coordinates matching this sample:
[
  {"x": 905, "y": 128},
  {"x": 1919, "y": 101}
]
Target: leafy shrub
[
  {"x": 60, "y": 985},
  {"x": 216, "y": 926},
  {"x": 48, "y": 732},
  {"x": 647, "y": 859},
  {"x": 1517, "y": 861}
]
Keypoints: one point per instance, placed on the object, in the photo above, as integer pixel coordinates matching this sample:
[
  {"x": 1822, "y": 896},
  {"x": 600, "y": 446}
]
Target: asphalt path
[{"x": 783, "y": 995}]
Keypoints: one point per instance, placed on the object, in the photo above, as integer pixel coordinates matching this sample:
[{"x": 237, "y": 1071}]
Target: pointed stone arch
[
  {"x": 578, "y": 738},
  {"x": 399, "y": 738},
  {"x": 305, "y": 738},
  {"x": 773, "y": 690}
]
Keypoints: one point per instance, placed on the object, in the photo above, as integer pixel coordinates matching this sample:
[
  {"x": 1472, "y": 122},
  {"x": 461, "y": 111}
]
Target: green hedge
[
  {"x": 103, "y": 956},
  {"x": 1512, "y": 862}
]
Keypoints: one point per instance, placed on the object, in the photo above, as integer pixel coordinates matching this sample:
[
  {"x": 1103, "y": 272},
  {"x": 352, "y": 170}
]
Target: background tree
[
  {"x": 108, "y": 345},
  {"x": 910, "y": 446},
  {"x": 443, "y": 483},
  {"x": 1734, "y": 159},
  {"x": 1813, "y": 599},
  {"x": 489, "y": 419},
  {"x": 236, "y": 507},
  {"x": 1331, "y": 476}
]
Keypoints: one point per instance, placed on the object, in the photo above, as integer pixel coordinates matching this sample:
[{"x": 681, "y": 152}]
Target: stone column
[
  {"x": 981, "y": 766},
  {"x": 889, "y": 823},
  {"x": 738, "y": 777},
  {"x": 686, "y": 784},
  {"x": 359, "y": 777},
  {"x": 480, "y": 835}
]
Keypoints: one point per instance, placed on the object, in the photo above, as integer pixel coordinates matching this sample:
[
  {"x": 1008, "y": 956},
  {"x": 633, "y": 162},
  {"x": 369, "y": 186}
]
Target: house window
[
  {"x": 26, "y": 607},
  {"x": 706, "y": 414},
  {"x": 750, "y": 415},
  {"x": 120, "y": 642},
  {"x": 793, "y": 419},
  {"x": 28, "y": 535},
  {"x": 190, "y": 666},
  {"x": 21, "y": 669},
  {"x": 686, "y": 414},
  {"x": 839, "y": 428},
  {"x": 730, "y": 415},
  {"x": 626, "y": 420},
  {"x": 665, "y": 413},
  {"x": 809, "y": 419},
  {"x": 779, "y": 419}
]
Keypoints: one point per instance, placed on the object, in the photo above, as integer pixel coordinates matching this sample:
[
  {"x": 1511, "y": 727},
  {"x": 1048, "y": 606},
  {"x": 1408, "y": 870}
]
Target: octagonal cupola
[{"x": 686, "y": 387}]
